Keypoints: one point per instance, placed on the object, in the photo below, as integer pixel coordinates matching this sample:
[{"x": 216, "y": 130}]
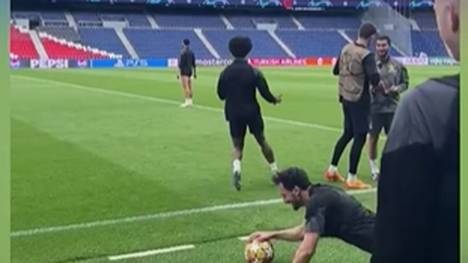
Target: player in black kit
[
  {"x": 187, "y": 68},
  {"x": 330, "y": 212},
  {"x": 237, "y": 86}
]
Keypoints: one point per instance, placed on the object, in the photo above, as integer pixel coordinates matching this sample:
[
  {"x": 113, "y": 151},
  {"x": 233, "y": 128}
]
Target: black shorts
[
  {"x": 186, "y": 72},
  {"x": 356, "y": 118},
  {"x": 379, "y": 121},
  {"x": 238, "y": 125}
]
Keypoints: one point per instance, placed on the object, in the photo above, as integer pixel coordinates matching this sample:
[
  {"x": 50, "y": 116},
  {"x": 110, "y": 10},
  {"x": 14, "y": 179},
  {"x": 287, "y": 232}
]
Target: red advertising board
[{"x": 312, "y": 61}]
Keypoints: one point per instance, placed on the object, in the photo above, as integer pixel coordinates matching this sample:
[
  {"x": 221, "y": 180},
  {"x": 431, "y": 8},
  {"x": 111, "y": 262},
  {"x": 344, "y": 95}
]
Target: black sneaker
[{"x": 236, "y": 180}]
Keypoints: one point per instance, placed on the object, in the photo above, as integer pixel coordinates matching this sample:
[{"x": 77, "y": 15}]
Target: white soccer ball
[{"x": 259, "y": 252}]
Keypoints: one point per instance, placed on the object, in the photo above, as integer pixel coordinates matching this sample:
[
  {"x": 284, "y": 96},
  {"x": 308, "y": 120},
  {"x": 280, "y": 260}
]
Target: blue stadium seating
[
  {"x": 425, "y": 20},
  {"x": 263, "y": 44},
  {"x": 312, "y": 43},
  {"x": 189, "y": 21},
  {"x": 164, "y": 43},
  {"x": 104, "y": 39},
  {"x": 137, "y": 20},
  {"x": 67, "y": 33},
  {"x": 53, "y": 15},
  {"x": 112, "y": 17},
  {"x": 86, "y": 16},
  {"x": 329, "y": 22},
  {"x": 428, "y": 42},
  {"x": 319, "y": 39},
  {"x": 248, "y": 21}
]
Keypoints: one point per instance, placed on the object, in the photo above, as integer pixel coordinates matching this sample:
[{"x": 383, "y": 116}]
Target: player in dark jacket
[
  {"x": 237, "y": 86},
  {"x": 187, "y": 69}
]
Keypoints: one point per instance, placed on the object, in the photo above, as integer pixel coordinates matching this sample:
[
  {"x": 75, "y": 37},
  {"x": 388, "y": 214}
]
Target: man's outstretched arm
[
  {"x": 264, "y": 90},
  {"x": 307, "y": 248},
  {"x": 290, "y": 234}
]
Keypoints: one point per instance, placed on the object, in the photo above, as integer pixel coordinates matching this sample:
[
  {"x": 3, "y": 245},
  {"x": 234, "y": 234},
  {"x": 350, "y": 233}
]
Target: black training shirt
[
  {"x": 331, "y": 211},
  {"x": 187, "y": 60},
  {"x": 237, "y": 85}
]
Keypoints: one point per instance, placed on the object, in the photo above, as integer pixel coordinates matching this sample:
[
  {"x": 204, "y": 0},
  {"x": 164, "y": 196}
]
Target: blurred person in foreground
[{"x": 418, "y": 193}]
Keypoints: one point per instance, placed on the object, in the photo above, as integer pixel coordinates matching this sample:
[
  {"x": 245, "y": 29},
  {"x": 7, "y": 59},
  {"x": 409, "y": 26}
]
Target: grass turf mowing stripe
[
  {"x": 151, "y": 252},
  {"x": 133, "y": 219},
  {"x": 174, "y": 102}
]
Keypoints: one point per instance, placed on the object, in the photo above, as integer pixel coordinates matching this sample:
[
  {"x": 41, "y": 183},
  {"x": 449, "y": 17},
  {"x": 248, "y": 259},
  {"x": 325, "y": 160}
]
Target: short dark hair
[
  {"x": 386, "y": 38},
  {"x": 240, "y": 46},
  {"x": 186, "y": 42},
  {"x": 367, "y": 30},
  {"x": 292, "y": 177}
]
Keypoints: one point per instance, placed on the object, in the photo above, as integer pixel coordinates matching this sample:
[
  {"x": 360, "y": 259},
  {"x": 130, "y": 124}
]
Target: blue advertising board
[{"x": 128, "y": 63}]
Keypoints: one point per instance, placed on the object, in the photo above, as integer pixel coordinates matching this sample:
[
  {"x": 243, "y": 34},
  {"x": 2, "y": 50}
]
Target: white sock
[
  {"x": 374, "y": 167},
  {"x": 189, "y": 101},
  {"x": 332, "y": 168},
  {"x": 351, "y": 177},
  {"x": 273, "y": 167},
  {"x": 236, "y": 165}
]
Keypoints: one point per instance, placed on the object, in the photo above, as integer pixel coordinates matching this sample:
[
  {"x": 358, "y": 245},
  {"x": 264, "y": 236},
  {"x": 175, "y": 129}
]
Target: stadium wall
[{"x": 172, "y": 63}]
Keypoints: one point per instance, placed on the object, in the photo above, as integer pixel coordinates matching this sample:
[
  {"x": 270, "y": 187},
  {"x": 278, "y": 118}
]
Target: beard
[
  {"x": 383, "y": 55},
  {"x": 296, "y": 206}
]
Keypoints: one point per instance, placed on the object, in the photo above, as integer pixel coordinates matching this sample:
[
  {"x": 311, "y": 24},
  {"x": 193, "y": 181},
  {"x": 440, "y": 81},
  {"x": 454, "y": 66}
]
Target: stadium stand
[
  {"x": 329, "y": 22},
  {"x": 313, "y": 34},
  {"x": 189, "y": 21},
  {"x": 137, "y": 20},
  {"x": 240, "y": 21},
  {"x": 427, "y": 42},
  {"x": 86, "y": 17},
  {"x": 310, "y": 43},
  {"x": 21, "y": 44},
  {"x": 57, "y": 50},
  {"x": 104, "y": 39},
  {"x": 425, "y": 20},
  {"x": 164, "y": 43},
  {"x": 67, "y": 33},
  {"x": 263, "y": 45}
]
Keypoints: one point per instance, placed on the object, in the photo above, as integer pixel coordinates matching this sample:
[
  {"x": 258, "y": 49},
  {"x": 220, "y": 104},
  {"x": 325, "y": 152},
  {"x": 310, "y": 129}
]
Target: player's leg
[
  {"x": 360, "y": 122},
  {"x": 388, "y": 122},
  {"x": 237, "y": 129},
  {"x": 185, "y": 84},
  {"x": 267, "y": 152},
  {"x": 189, "y": 90},
  {"x": 256, "y": 127},
  {"x": 373, "y": 139},
  {"x": 332, "y": 174}
]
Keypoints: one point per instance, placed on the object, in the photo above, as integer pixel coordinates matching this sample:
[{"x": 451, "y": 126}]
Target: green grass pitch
[{"x": 102, "y": 145}]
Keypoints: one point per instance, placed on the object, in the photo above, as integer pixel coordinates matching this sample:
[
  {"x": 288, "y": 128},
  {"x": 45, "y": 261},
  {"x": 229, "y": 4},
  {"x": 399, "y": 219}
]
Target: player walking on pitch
[
  {"x": 187, "y": 68},
  {"x": 329, "y": 212},
  {"x": 357, "y": 70},
  {"x": 394, "y": 78},
  {"x": 237, "y": 86}
]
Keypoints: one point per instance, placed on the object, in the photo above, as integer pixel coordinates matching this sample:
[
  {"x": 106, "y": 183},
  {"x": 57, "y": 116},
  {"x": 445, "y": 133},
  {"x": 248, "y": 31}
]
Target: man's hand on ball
[{"x": 260, "y": 236}]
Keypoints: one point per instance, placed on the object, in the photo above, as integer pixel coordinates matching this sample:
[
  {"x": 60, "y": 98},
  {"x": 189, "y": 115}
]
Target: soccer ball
[{"x": 259, "y": 252}]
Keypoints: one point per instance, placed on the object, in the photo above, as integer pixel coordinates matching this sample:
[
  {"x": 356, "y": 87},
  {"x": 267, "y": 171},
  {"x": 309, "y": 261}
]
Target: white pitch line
[
  {"x": 133, "y": 219},
  {"x": 243, "y": 238},
  {"x": 151, "y": 252},
  {"x": 174, "y": 102}
]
